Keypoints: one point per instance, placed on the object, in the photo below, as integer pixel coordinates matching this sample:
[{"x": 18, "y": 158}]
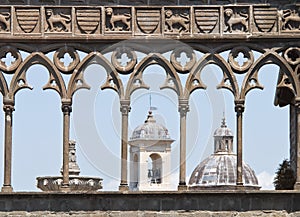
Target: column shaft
[
  {"x": 183, "y": 109},
  {"x": 125, "y": 109},
  {"x": 297, "y": 184},
  {"x": 239, "y": 109},
  {"x": 8, "y": 109},
  {"x": 66, "y": 109}
]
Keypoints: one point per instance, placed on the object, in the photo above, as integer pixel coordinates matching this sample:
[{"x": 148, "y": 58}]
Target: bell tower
[{"x": 150, "y": 157}]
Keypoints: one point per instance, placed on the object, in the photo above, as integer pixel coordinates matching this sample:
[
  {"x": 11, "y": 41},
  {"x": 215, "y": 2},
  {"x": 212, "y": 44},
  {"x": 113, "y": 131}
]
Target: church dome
[
  {"x": 150, "y": 130},
  {"x": 218, "y": 171}
]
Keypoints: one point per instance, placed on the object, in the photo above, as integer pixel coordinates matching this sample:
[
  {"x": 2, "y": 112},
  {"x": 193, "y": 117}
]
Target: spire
[{"x": 223, "y": 121}]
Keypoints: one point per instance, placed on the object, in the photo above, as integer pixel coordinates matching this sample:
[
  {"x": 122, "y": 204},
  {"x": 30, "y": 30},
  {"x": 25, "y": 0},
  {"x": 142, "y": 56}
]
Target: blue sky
[{"x": 95, "y": 125}]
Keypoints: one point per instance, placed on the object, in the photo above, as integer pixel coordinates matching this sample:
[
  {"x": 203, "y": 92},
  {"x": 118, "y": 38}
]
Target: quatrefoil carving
[
  {"x": 66, "y": 59},
  {"x": 292, "y": 55},
  {"x": 238, "y": 53},
  {"x": 10, "y": 59},
  {"x": 183, "y": 55},
  {"x": 124, "y": 59}
]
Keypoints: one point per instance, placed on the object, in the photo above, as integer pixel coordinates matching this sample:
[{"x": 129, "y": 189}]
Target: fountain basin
[{"x": 76, "y": 183}]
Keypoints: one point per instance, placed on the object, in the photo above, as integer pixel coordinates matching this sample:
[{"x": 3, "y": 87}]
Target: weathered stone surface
[{"x": 154, "y": 214}]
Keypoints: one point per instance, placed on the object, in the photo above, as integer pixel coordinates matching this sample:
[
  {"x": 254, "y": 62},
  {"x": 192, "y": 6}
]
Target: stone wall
[
  {"x": 243, "y": 203},
  {"x": 266, "y": 213}
]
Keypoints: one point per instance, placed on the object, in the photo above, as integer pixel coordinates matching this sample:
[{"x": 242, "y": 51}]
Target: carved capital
[
  {"x": 8, "y": 109},
  {"x": 8, "y": 106},
  {"x": 239, "y": 107},
  {"x": 125, "y": 107},
  {"x": 183, "y": 107},
  {"x": 66, "y": 106}
]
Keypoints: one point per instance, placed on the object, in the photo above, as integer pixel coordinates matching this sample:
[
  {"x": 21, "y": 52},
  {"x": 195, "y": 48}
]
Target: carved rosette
[
  {"x": 265, "y": 19},
  {"x": 88, "y": 20},
  {"x": 148, "y": 20},
  {"x": 207, "y": 20},
  {"x": 58, "y": 20},
  {"x": 177, "y": 20},
  {"x": 27, "y": 20}
]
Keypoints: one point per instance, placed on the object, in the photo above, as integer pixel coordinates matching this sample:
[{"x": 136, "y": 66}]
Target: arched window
[{"x": 155, "y": 168}]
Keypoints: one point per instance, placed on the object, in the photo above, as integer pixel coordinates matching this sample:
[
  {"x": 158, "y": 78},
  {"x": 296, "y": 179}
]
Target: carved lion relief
[
  {"x": 290, "y": 19},
  {"x": 236, "y": 20},
  {"x": 177, "y": 20},
  {"x": 58, "y": 20},
  {"x": 5, "y": 18},
  {"x": 117, "y": 19}
]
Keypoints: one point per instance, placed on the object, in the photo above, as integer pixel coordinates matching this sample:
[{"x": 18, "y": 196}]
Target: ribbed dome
[
  {"x": 219, "y": 171},
  {"x": 150, "y": 130}
]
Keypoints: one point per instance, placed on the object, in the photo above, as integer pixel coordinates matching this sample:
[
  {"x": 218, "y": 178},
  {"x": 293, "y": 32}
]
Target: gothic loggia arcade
[{"x": 149, "y": 33}]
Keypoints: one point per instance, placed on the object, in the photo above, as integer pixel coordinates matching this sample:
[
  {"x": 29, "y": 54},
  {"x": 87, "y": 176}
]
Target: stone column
[
  {"x": 66, "y": 109},
  {"x": 239, "y": 109},
  {"x": 183, "y": 109},
  {"x": 297, "y": 154},
  {"x": 125, "y": 109},
  {"x": 8, "y": 107}
]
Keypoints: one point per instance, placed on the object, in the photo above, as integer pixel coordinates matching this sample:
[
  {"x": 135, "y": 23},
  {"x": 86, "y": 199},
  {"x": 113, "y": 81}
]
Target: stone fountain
[{"x": 76, "y": 183}]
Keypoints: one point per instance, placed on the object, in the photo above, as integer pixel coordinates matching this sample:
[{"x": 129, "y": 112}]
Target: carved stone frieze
[
  {"x": 265, "y": 19},
  {"x": 118, "y": 19},
  {"x": 28, "y": 20},
  {"x": 236, "y": 19},
  {"x": 177, "y": 20},
  {"x": 58, "y": 20},
  {"x": 122, "y": 22},
  {"x": 207, "y": 19},
  {"x": 88, "y": 20},
  {"x": 148, "y": 21}
]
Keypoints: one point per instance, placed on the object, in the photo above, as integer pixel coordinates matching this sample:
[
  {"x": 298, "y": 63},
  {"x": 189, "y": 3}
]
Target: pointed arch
[
  {"x": 77, "y": 81},
  {"x": 195, "y": 75},
  {"x": 151, "y": 59},
  {"x": 55, "y": 82},
  {"x": 270, "y": 57}
]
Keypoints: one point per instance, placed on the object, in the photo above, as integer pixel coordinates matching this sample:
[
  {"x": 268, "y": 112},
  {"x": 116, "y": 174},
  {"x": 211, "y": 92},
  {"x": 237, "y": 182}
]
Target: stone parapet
[{"x": 158, "y": 202}]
